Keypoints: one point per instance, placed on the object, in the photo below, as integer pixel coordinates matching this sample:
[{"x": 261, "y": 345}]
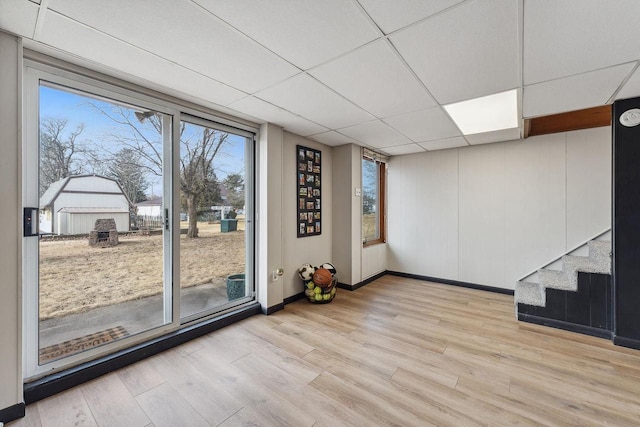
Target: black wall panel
[
  {"x": 626, "y": 223},
  {"x": 587, "y": 310}
]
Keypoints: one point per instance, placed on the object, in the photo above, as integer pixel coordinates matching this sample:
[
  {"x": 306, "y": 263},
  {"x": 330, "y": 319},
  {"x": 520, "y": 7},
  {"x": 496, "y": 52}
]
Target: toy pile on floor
[{"x": 320, "y": 282}]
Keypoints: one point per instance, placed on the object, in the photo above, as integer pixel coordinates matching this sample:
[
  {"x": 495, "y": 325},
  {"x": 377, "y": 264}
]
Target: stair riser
[{"x": 598, "y": 261}]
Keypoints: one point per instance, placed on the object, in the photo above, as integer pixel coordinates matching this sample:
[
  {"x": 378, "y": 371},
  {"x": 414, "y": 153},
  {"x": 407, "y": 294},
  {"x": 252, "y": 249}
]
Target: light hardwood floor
[{"x": 395, "y": 352}]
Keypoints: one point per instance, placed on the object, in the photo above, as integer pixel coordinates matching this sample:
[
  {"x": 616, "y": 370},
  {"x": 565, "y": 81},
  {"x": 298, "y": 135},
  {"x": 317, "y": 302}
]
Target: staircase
[{"x": 551, "y": 296}]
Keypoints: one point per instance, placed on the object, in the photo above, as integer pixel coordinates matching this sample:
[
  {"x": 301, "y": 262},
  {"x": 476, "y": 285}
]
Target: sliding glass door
[
  {"x": 96, "y": 271},
  {"x": 137, "y": 219},
  {"x": 215, "y": 216}
]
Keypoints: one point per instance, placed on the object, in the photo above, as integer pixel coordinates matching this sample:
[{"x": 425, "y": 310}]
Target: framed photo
[{"x": 309, "y": 179}]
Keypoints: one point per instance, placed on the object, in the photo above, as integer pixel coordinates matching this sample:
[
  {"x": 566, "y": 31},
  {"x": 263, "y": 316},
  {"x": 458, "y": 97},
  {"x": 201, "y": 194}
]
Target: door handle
[
  {"x": 31, "y": 222},
  {"x": 166, "y": 219}
]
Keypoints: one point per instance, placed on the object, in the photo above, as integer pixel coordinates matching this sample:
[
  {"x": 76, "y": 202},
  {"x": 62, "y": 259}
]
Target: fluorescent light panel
[{"x": 486, "y": 114}]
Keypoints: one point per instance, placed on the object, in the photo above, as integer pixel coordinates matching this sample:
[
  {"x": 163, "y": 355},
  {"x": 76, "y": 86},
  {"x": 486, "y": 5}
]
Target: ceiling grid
[{"x": 370, "y": 72}]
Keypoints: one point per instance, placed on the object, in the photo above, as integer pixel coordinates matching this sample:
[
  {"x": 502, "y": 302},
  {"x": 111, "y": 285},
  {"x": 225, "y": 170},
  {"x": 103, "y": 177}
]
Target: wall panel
[
  {"x": 492, "y": 213},
  {"x": 10, "y": 238},
  {"x": 588, "y": 183},
  {"x": 314, "y": 249},
  {"x": 482, "y": 215},
  {"x": 422, "y": 214},
  {"x": 535, "y": 209}
]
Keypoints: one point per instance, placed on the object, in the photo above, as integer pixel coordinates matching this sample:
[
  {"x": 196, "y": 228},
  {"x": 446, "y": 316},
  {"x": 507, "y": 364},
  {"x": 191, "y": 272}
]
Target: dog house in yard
[{"x": 73, "y": 204}]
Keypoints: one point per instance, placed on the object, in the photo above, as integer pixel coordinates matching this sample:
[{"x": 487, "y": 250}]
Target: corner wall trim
[
  {"x": 453, "y": 282},
  {"x": 294, "y": 298},
  {"x": 273, "y": 309},
  {"x": 64, "y": 380},
  {"x": 567, "y": 326},
  {"x": 361, "y": 284},
  {"x": 12, "y": 412},
  {"x": 626, "y": 342}
]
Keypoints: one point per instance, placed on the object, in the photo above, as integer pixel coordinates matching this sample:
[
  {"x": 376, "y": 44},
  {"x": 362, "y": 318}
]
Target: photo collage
[{"x": 309, "y": 195}]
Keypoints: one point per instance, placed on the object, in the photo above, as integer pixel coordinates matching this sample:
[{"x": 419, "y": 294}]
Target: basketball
[{"x": 322, "y": 277}]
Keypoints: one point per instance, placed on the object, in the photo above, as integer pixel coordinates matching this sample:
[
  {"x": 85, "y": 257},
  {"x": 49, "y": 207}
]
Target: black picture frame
[{"x": 309, "y": 191}]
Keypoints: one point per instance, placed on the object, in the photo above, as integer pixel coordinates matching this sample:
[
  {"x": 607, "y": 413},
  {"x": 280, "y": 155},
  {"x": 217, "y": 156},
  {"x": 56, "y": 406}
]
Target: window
[
  {"x": 373, "y": 198},
  {"x": 143, "y": 212}
]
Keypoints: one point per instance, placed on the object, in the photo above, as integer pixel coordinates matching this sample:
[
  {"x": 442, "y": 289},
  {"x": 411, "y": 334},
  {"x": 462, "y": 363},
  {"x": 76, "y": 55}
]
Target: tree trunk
[{"x": 192, "y": 231}]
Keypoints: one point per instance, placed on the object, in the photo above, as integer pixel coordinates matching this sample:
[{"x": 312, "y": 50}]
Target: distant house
[
  {"x": 150, "y": 208},
  {"x": 72, "y": 204}
]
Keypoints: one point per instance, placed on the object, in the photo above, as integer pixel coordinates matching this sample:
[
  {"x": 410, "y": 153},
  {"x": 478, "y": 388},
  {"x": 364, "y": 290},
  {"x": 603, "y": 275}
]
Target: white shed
[
  {"x": 72, "y": 205},
  {"x": 150, "y": 208}
]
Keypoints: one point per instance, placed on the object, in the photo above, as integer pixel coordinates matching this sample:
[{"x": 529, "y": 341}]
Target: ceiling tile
[
  {"x": 631, "y": 88},
  {"x": 393, "y": 15},
  {"x": 375, "y": 134},
  {"x": 374, "y": 78},
  {"x": 266, "y": 112},
  {"x": 575, "y": 92},
  {"x": 18, "y": 17},
  {"x": 77, "y": 39},
  {"x": 424, "y": 125},
  {"x": 305, "y": 32},
  {"x": 568, "y": 37},
  {"x": 332, "y": 138},
  {"x": 312, "y": 100},
  {"x": 443, "y": 144},
  {"x": 495, "y": 136},
  {"x": 465, "y": 52},
  {"x": 399, "y": 150},
  {"x": 200, "y": 42}
]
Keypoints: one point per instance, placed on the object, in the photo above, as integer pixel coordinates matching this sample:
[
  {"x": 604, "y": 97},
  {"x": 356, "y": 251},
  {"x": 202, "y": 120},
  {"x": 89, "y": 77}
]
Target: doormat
[{"x": 76, "y": 345}]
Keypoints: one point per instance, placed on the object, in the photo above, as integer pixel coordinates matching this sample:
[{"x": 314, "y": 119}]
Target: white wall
[
  {"x": 314, "y": 249},
  {"x": 489, "y": 214},
  {"x": 346, "y": 238},
  {"x": 269, "y": 220},
  {"x": 10, "y": 239},
  {"x": 374, "y": 260},
  {"x": 353, "y": 262}
]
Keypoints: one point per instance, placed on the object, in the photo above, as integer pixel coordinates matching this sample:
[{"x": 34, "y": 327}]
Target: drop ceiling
[{"x": 372, "y": 72}]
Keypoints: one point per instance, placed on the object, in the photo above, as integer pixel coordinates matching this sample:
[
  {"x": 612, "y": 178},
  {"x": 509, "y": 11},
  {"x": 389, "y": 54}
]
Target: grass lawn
[{"x": 75, "y": 277}]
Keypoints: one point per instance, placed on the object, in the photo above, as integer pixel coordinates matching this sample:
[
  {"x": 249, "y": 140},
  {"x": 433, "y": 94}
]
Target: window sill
[{"x": 373, "y": 243}]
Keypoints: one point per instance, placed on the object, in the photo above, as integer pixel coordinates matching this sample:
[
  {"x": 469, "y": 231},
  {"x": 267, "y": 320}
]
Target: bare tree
[
  {"x": 141, "y": 132},
  {"x": 59, "y": 151},
  {"x": 197, "y": 175}
]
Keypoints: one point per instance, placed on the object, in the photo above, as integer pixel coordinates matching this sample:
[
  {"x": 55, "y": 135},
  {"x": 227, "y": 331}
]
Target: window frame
[
  {"x": 39, "y": 67},
  {"x": 381, "y": 171}
]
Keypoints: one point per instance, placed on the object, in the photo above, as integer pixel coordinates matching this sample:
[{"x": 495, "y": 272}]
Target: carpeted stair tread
[
  {"x": 572, "y": 264},
  {"x": 598, "y": 261},
  {"x": 599, "y": 249},
  {"x": 556, "y": 279},
  {"x": 530, "y": 293}
]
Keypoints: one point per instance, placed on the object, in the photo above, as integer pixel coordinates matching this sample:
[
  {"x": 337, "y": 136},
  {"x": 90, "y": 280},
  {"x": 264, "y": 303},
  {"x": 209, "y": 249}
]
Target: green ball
[
  {"x": 310, "y": 285},
  {"x": 333, "y": 291},
  {"x": 318, "y": 297},
  {"x": 326, "y": 297},
  {"x": 318, "y": 290}
]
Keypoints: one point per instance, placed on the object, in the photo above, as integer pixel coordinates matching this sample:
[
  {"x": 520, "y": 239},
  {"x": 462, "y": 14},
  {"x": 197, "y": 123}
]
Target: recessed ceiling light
[{"x": 486, "y": 114}]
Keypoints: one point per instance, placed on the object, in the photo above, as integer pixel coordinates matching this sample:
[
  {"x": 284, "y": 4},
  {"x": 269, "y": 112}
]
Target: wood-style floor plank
[
  {"x": 121, "y": 408},
  {"x": 68, "y": 408},
  {"x": 397, "y": 352},
  {"x": 167, "y": 408}
]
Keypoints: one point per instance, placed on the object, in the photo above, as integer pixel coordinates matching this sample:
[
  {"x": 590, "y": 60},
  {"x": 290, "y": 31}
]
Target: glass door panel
[
  {"x": 215, "y": 218},
  {"x": 103, "y": 241}
]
